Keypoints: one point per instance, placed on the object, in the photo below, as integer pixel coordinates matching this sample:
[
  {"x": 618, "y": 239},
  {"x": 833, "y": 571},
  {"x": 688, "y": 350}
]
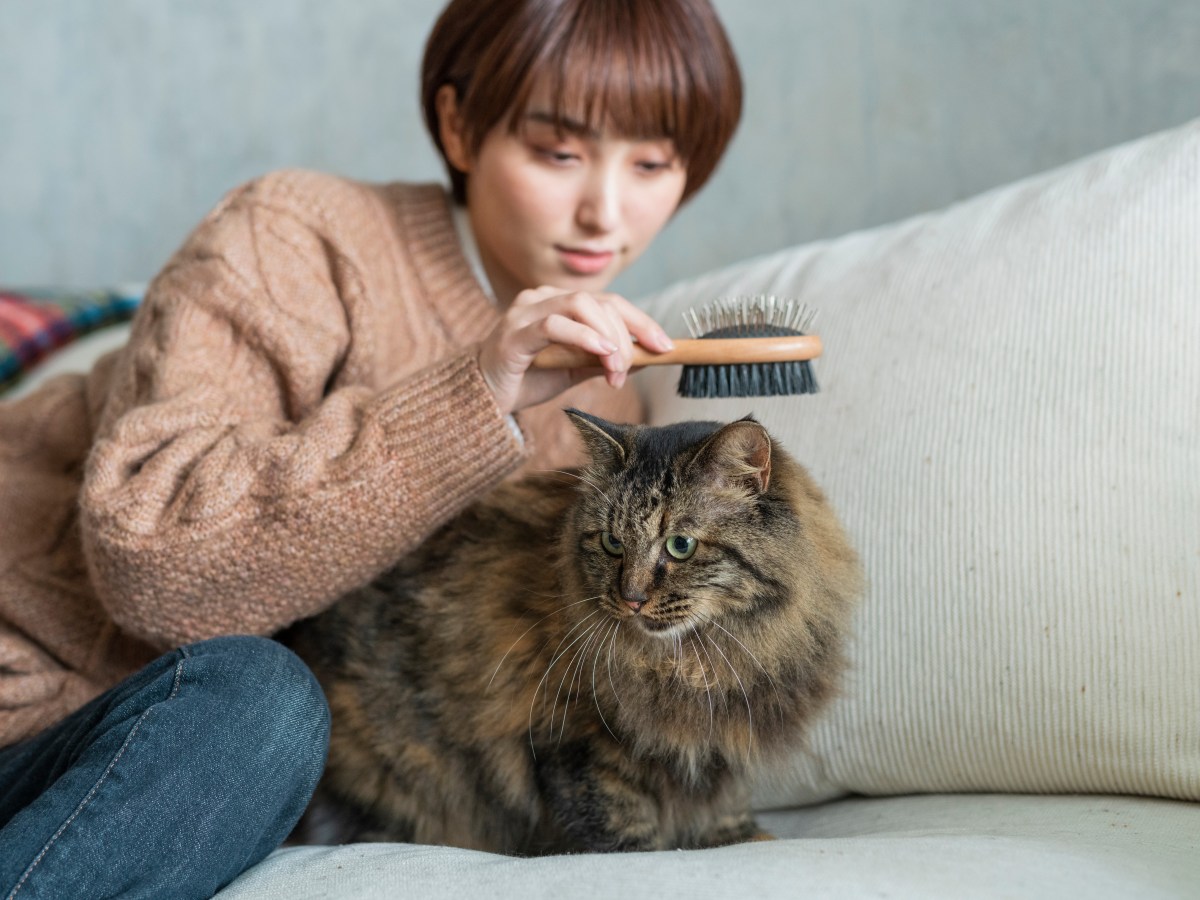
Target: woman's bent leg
[{"x": 170, "y": 784}]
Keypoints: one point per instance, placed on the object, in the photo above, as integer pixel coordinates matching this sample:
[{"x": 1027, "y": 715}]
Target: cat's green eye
[
  {"x": 611, "y": 544},
  {"x": 681, "y": 546}
]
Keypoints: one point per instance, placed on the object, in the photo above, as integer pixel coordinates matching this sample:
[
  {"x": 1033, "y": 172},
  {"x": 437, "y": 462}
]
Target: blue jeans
[{"x": 170, "y": 784}]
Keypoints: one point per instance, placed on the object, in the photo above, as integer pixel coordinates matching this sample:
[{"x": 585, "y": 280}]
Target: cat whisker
[
  {"x": 774, "y": 684},
  {"x": 529, "y": 629},
  {"x": 568, "y": 634},
  {"x": 707, "y": 620},
  {"x": 576, "y": 475},
  {"x": 560, "y": 651},
  {"x": 529, "y": 592},
  {"x": 550, "y": 668},
  {"x": 611, "y": 642},
  {"x": 595, "y": 695},
  {"x": 749, "y": 713},
  {"x": 599, "y": 643},
  {"x": 558, "y": 693},
  {"x": 724, "y": 699},
  {"x": 707, "y": 689},
  {"x": 566, "y": 671},
  {"x": 579, "y": 676},
  {"x": 580, "y": 656}
]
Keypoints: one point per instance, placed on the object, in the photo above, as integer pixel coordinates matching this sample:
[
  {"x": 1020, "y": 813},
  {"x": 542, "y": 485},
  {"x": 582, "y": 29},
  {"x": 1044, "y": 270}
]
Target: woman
[{"x": 321, "y": 375}]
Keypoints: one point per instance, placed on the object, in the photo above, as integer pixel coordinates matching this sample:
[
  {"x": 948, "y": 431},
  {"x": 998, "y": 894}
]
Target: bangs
[
  {"x": 601, "y": 73},
  {"x": 634, "y": 69}
]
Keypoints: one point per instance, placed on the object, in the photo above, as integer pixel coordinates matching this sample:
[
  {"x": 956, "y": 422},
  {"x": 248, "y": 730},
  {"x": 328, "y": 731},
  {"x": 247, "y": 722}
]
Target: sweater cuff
[{"x": 448, "y": 435}]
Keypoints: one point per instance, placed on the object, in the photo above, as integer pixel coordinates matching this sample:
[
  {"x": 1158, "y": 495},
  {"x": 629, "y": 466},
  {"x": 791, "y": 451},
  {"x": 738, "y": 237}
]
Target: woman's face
[{"x": 570, "y": 209}]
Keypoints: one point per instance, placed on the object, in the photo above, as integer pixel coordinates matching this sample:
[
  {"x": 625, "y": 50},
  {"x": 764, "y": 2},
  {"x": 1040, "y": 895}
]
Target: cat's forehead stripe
[{"x": 655, "y": 450}]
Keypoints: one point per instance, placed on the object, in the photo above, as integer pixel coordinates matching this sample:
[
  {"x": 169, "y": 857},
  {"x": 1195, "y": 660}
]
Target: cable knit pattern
[{"x": 298, "y": 405}]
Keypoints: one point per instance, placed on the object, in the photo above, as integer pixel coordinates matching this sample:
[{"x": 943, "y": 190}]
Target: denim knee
[
  {"x": 278, "y": 701},
  {"x": 187, "y": 773}
]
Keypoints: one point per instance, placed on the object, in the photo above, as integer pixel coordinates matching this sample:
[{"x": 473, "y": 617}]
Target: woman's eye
[
  {"x": 610, "y": 544},
  {"x": 557, "y": 156},
  {"x": 651, "y": 167},
  {"x": 681, "y": 546}
]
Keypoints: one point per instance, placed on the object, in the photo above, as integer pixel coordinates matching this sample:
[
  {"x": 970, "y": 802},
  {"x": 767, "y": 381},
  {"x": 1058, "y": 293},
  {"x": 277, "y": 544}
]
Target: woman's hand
[{"x": 601, "y": 324}]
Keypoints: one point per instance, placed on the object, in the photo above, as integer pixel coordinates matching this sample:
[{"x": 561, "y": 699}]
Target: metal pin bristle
[
  {"x": 749, "y": 316},
  {"x": 750, "y": 313}
]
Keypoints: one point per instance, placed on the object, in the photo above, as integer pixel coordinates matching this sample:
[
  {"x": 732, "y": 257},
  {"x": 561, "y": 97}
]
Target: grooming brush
[{"x": 740, "y": 347}]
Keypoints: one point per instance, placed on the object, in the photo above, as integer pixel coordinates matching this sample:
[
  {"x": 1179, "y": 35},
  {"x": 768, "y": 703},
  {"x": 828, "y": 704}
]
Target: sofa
[{"x": 1009, "y": 427}]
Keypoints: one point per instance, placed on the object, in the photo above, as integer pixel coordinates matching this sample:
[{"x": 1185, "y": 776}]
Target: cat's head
[{"x": 687, "y": 524}]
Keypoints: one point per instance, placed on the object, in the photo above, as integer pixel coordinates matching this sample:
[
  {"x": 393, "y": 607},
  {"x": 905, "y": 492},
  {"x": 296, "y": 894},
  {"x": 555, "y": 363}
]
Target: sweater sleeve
[{"x": 229, "y": 489}]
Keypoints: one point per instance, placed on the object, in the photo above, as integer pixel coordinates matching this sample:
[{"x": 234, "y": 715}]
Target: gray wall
[{"x": 123, "y": 121}]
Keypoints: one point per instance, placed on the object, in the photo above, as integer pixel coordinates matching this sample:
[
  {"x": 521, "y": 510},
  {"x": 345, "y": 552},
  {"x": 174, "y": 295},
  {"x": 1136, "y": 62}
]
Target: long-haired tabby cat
[{"x": 593, "y": 662}]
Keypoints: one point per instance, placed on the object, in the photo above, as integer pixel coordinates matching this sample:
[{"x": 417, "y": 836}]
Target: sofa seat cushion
[{"x": 927, "y": 847}]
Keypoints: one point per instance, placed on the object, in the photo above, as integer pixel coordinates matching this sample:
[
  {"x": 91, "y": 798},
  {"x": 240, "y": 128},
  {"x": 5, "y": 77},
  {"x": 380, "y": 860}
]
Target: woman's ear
[{"x": 450, "y": 128}]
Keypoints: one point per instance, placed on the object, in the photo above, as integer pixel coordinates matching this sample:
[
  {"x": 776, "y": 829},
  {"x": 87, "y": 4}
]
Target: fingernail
[
  {"x": 665, "y": 342},
  {"x": 609, "y": 346}
]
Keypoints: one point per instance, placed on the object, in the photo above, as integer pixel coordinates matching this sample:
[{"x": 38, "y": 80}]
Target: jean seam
[{"x": 96, "y": 787}]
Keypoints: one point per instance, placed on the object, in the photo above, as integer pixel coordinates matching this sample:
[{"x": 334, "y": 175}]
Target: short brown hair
[{"x": 648, "y": 68}]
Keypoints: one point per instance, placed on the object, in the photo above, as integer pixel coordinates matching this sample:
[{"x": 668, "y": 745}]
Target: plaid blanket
[{"x": 35, "y": 323}]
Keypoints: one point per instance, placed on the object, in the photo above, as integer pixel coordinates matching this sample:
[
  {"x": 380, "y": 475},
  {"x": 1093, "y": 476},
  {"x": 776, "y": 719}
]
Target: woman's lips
[{"x": 581, "y": 261}]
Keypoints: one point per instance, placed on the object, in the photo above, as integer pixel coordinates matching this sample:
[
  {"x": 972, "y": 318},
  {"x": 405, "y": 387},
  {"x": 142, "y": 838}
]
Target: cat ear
[
  {"x": 602, "y": 439},
  {"x": 739, "y": 453}
]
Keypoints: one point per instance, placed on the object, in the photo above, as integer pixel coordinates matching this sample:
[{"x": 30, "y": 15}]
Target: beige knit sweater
[{"x": 298, "y": 405}]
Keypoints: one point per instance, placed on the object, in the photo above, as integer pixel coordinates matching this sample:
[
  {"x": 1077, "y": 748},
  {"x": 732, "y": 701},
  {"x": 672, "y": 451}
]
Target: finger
[
  {"x": 531, "y": 306},
  {"x": 531, "y": 296},
  {"x": 609, "y": 323},
  {"x": 640, "y": 324},
  {"x": 624, "y": 344},
  {"x": 557, "y": 328},
  {"x": 563, "y": 329},
  {"x": 602, "y": 316},
  {"x": 585, "y": 308},
  {"x": 625, "y": 341},
  {"x": 545, "y": 321}
]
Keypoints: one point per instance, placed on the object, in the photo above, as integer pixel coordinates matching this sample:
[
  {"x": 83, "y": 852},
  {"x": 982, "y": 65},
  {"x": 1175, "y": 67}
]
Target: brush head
[{"x": 738, "y": 317}]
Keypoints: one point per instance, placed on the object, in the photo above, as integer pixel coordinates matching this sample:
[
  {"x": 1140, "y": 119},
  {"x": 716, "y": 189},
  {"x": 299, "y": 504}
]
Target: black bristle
[{"x": 749, "y": 379}]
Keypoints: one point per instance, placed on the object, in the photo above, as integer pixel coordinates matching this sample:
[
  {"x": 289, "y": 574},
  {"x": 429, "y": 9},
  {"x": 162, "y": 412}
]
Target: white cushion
[
  {"x": 924, "y": 848},
  {"x": 1010, "y": 429}
]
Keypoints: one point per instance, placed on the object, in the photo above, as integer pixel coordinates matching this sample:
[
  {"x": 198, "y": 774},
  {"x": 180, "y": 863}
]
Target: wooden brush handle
[{"x": 695, "y": 352}]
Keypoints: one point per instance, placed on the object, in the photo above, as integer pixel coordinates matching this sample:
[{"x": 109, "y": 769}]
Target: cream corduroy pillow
[{"x": 1009, "y": 427}]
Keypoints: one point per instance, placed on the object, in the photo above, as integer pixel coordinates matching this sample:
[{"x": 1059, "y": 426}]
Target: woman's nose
[{"x": 599, "y": 207}]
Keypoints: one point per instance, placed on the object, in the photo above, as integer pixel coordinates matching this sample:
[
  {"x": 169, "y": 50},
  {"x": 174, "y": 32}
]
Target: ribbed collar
[
  {"x": 470, "y": 249},
  {"x": 440, "y": 262}
]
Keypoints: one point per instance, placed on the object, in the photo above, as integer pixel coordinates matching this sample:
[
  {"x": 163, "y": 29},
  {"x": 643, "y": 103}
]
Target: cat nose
[{"x": 634, "y": 597}]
